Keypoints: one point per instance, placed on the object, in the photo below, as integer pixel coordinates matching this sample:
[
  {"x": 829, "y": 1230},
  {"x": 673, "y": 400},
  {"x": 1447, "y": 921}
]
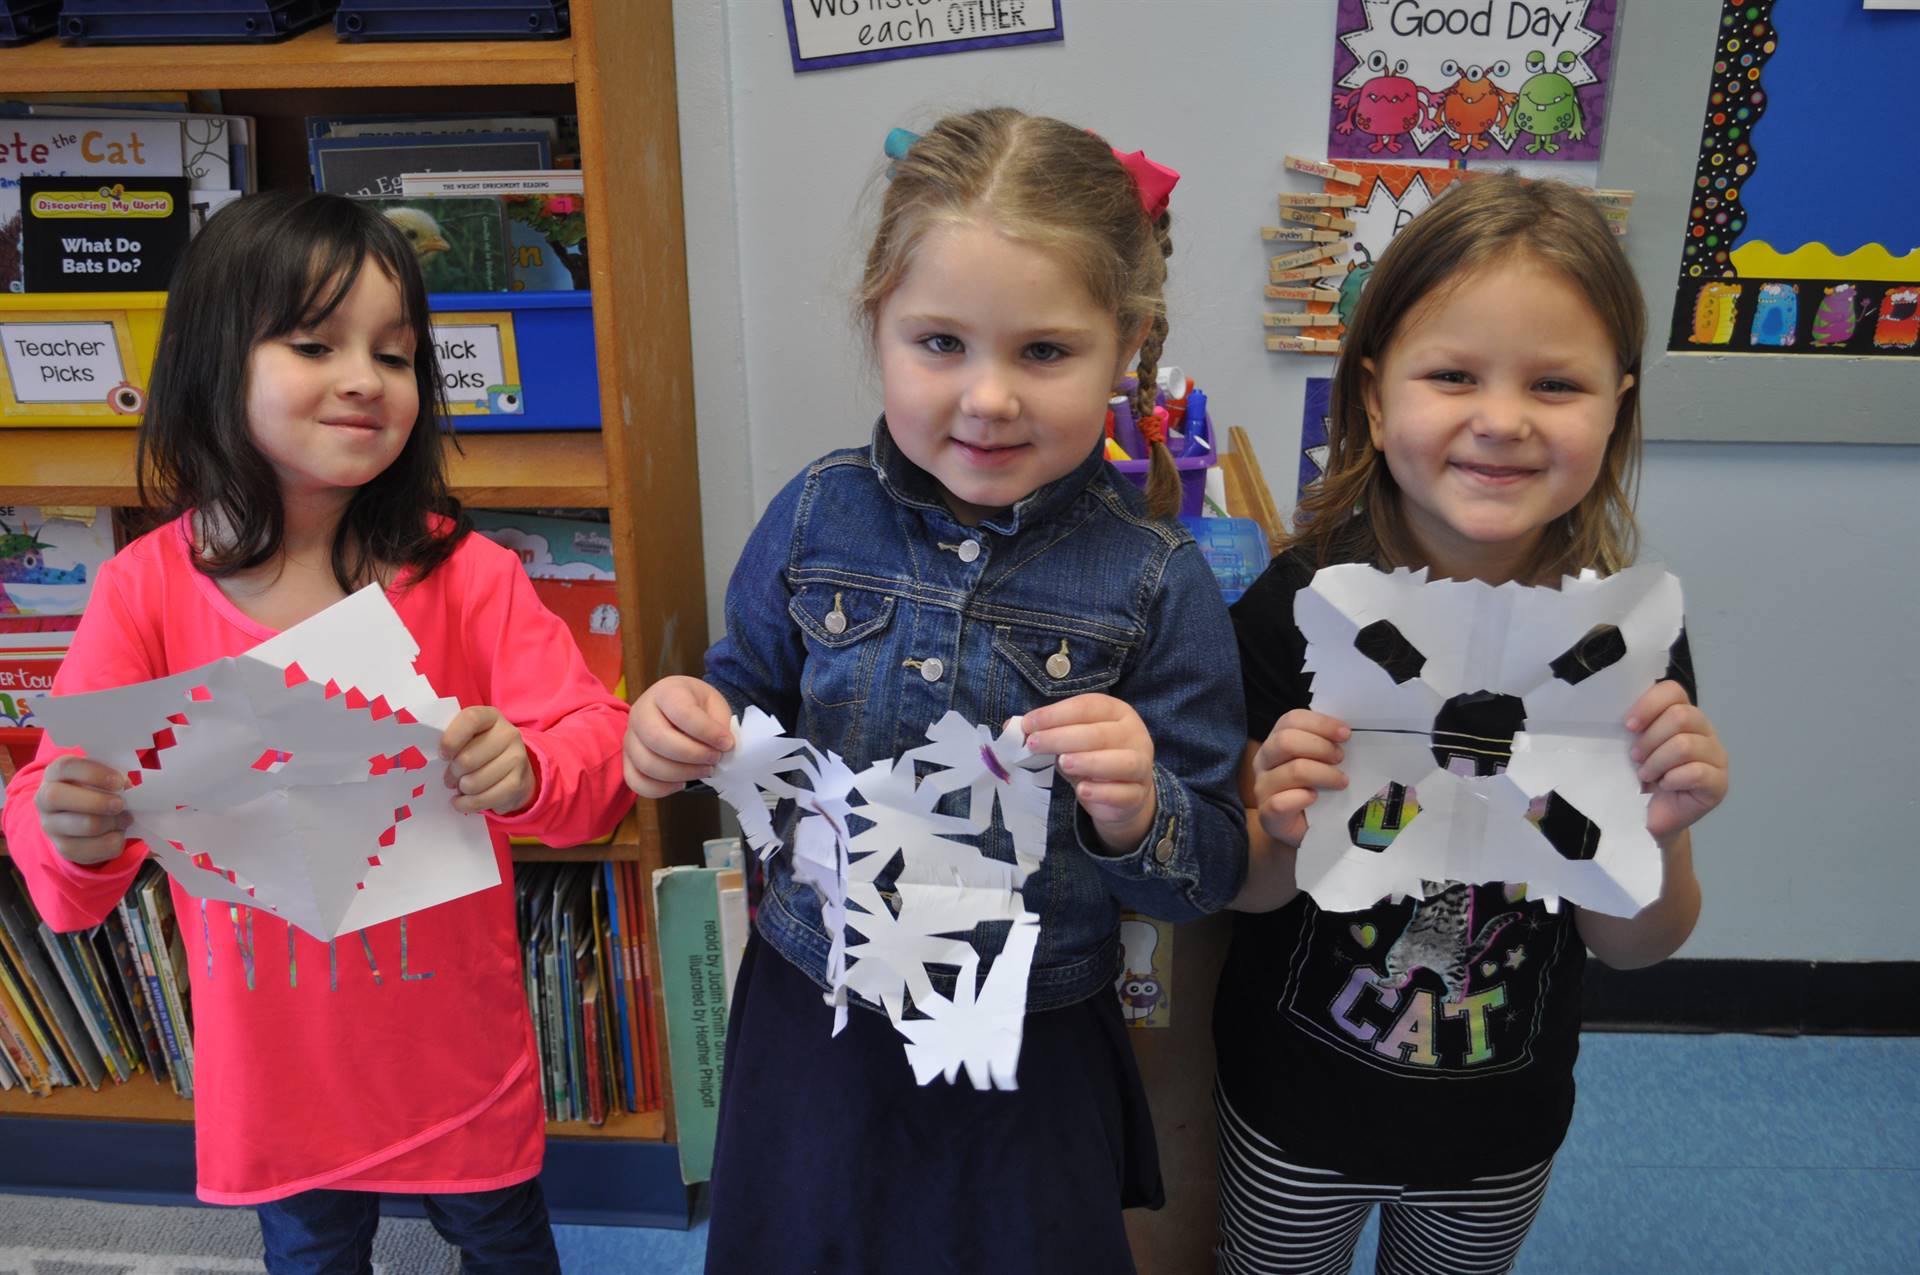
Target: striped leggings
[{"x": 1281, "y": 1218}]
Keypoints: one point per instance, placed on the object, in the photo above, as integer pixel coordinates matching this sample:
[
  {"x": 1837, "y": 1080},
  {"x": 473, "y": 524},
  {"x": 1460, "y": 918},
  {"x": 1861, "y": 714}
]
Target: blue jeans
[{"x": 502, "y": 1232}]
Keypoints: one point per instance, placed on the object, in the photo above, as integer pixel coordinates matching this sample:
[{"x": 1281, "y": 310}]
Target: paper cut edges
[
  {"x": 852, "y": 828},
  {"x": 1485, "y": 705},
  {"x": 291, "y": 778}
]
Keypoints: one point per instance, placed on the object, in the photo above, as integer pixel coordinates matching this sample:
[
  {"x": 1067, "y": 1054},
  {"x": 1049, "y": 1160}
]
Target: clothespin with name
[
  {"x": 1300, "y": 319},
  {"x": 1288, "y": 200},
  {"x": 1299, "y": 234},
  {"x": 1320, "y": 168},
  {"x": 1306, "y": 256},
  {"x": 1302, "y": 345},
  {"x": 1326, "y": 221},
  {"x": 1306, "y": 273},
  {"x": 1298, "y": 292}
]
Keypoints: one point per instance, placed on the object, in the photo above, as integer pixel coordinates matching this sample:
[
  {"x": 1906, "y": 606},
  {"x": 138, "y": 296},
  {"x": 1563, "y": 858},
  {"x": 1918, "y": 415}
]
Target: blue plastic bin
[
  {"x": 451, "y": 20},
  {"x": 518, "y": 360},
  {"x": 188, "y": 21},
  {"x": 24, "y": 20}
]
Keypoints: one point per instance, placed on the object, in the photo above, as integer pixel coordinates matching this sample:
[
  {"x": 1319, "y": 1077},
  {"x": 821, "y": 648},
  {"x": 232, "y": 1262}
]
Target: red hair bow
[{"x": 1155, "y": 182}]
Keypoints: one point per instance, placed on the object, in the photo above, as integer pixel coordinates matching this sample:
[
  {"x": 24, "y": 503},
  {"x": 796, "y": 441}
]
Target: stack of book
[
  {"x": 490, "y": 203},
  {"x": 583, "y": 932},
  {"x": 98, "y": 1005},
  {"x": 147, "y": 145}
]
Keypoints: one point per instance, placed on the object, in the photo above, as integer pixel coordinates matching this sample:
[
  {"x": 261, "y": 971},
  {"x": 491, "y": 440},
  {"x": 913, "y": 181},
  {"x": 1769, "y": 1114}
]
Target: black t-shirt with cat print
[{"x": 1426, "y": 1042}]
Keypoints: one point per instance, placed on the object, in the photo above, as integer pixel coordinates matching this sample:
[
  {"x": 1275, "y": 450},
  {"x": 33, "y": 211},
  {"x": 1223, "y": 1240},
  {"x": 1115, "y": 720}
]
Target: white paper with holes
[
  {"x": 303, "y": 777},
  {"x": 853, "y": 827},
  {"x": 1504, "y": 640}
]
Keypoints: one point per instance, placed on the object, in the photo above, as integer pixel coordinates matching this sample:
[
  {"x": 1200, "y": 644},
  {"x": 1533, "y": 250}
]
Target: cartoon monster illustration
[
  {"x": 1899, "y": 326},
  {"x": 1139, "y": 995},
  {"x": 1713, "y": 313},
  {"x": 1776, "y": 314},
  {"x": 1838, "y": 317},
  {"x": 1547, "y": 105},
  {"x": 22, "y": 561},
  {"x": 1436, "y": 940},
  {"x": 1473, "y": 106},
  {"x": 1354, "y": 283},
  {"x": 1385, "y": 106}
]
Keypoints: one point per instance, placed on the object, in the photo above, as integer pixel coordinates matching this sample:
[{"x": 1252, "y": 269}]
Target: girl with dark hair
[{"x": 292, "y": 447}]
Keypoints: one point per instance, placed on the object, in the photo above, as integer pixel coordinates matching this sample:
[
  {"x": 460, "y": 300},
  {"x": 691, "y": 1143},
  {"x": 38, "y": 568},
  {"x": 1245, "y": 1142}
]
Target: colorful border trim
[{"x": 960, "y": 45}]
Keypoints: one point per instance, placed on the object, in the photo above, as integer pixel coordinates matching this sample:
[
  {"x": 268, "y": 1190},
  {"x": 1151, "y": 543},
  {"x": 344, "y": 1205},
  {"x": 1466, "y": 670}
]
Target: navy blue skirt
[{"x": 830, "y": 1160}]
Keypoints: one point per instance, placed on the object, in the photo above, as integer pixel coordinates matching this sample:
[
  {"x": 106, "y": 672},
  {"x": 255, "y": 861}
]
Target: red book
[{"x": 596, "y": 1077}]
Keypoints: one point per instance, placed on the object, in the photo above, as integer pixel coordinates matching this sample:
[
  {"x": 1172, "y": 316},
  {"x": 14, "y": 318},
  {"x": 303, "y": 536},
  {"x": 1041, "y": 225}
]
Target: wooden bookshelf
[
  {"x": 617, "y": 73},
  {"x": 490, "y": 471},
  {"x": 313, "y": 59},
  {"x": 144, "y": 1100}
]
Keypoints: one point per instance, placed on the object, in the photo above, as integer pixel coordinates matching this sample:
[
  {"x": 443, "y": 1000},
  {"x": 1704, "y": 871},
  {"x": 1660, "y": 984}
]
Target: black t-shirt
[{"x": 1425, "y": 1041}]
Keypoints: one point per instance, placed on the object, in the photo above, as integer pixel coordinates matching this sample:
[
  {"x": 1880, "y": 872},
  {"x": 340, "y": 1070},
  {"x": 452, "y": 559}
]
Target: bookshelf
[{"x": 616, "y": 72}]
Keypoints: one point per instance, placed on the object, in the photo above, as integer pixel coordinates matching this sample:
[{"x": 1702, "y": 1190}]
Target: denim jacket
[{"x": 861, "y": 611}]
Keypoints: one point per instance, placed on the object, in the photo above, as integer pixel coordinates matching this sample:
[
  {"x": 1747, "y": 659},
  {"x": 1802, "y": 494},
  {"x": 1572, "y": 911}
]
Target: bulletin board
[{"x": 1803, "y": 234}]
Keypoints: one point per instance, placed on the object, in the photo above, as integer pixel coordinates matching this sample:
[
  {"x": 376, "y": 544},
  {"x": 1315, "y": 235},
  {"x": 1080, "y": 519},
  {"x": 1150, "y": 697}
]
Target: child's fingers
[
  {"x": 1073, "y": 712},
  {"x": 1117, "y": 799},
  {"x": 74, "y": 825},
  {"x": 1700, "y": 777},
  {"x": 500, "y": 797},
  {"x": 1680, "y": 750},
  {"x": 467, "y": 725},
  {"x": 1300, "y": 773},
  {"x": 1658, "y": 699},
  {"x": 641, "y": 782},
  {"x": 1086, "y": 737},
  {"x": 66, "y": 796},
  {"x": 491, "y": 772},
  {"x": 1675, "y": 720},
  {"x": 1116, "y": 765},
  {"x": 1286, "y": 744},
  {"x": 83, "y": 772},
  {"x": 698, "y": 712},
  {"x": 661, "y": 737}
]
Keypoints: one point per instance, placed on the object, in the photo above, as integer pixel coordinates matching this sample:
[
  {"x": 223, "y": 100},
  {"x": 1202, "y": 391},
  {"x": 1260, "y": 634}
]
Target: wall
[{"x": 1798, "y": 559}]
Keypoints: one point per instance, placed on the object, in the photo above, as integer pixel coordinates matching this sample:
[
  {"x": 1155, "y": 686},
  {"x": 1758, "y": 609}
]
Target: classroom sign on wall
[
  {"x": 1520, "y": 79},
  {"x": 1803, "y": 232},
  {"x": 830, "y": 33}
]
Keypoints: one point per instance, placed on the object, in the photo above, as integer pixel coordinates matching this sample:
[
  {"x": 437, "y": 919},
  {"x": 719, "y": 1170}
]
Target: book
[
  {"x": 169, "y": 957},
  {"x": 62, "y": 1032},
  {"x": 50, "y": 557},
  {"x": 373, "y": 165},
  {"x": 87, "y": 977},
  {"x": 617, "y": 924},
  {"x": 152, "y": 146},
  {"x": 19, "y": 1037},
  {"x": 179, "y": 1075},
  {"x": 650, "y": 1029},
  {"x": 217, "y": 150},
  {"x": 105, "y": 973},
  {"x": 694, "y": 974},
  {"x": 93, "y": 232},
  {"x": 87, "y": 1042},
  {"x": 461, "y": 244},
  {"x": 134, "y": 986}
]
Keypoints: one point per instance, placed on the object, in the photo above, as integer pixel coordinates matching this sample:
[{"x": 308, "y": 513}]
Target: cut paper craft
[
  {"x": 851, "y": 828},
  {"x": 1394, "y": 656},
  {"x": 294, "y": 777}
]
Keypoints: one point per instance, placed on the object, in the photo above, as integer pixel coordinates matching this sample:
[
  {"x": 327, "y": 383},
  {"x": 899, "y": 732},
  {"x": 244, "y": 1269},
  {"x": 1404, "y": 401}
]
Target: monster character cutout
[
  {"x": 1547, "y": 105},
  {"x": 1142, "y": 983},
  {"x": 1354, "y": 283},
  {"x": 1473, "y": 106},
  {"x": 1385, "y": 106}
]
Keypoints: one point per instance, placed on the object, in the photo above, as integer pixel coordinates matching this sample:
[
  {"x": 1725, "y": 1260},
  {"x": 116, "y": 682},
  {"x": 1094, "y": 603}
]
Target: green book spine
[{"x": 693, "y": 976}]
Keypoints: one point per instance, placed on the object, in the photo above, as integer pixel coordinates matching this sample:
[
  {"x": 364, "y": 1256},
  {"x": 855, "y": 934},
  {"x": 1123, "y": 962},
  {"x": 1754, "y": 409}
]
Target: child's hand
[
  {"x": 81, "y": 811},
  {"x": 1680, "y": 758},
  {"x": 489, "y": 760},
  {"x": 1301, "y": 756},
  {"x": 1105, "y": 752},
  {"x": 676, "y": 731}
]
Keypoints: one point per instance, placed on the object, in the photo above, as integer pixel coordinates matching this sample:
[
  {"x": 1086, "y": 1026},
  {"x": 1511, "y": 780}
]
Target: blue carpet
[{"x": 1689, "y": 1155}]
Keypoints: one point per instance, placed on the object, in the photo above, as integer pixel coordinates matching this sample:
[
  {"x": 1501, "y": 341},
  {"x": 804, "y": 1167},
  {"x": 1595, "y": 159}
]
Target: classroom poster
[
  {"x": 1314, "y": 420},
  {"x": 1803, "y": 235},
  {"x": 829, "y": 33},
  {"x": 1501, "y": 79}
]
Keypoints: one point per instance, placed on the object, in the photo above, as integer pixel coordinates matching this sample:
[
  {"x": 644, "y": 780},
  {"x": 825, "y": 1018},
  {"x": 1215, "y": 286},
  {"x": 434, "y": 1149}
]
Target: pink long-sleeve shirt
[{"x": 401, "y": 1058}]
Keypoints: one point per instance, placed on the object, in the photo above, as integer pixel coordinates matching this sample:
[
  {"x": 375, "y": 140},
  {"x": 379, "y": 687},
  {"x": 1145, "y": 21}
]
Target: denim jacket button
[
  {"x": 836, "y": 622},
  {"x": 1163, "y": 851},
  {"x": 1059, "y": 664},
  {"x": 969, "y": 550},
  {"x": 932, "y": 669}
]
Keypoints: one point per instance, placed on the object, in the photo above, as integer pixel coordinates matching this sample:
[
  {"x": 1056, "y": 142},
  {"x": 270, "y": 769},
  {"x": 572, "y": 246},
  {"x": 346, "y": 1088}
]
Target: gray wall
[{"x": 1798, "y": 560}]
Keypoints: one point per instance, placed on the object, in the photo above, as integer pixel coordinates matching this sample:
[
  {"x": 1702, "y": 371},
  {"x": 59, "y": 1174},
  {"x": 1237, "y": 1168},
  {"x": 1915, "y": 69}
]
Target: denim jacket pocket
[
  {"x": 1051, "y": 665},
  {"x": 843, "y": 628}
]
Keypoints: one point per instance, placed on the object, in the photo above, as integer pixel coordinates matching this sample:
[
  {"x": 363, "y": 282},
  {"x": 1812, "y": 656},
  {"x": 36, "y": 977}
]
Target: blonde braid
[{"x": 1163, "y": 476}]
